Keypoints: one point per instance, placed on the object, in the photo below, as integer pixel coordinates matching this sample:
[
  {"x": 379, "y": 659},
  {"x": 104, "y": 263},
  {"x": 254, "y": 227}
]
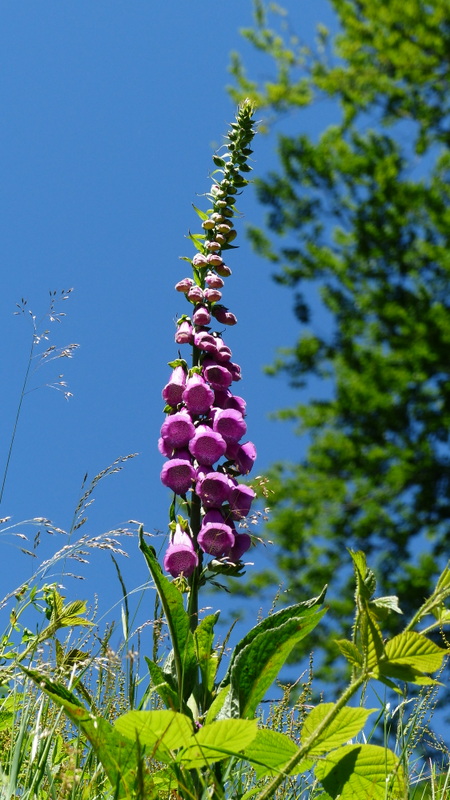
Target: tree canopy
[{"x": 363, "y": 211}]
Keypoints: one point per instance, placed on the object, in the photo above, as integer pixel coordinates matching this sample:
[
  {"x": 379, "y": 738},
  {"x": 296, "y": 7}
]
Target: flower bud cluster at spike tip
[{"x": 202, "y": 435}]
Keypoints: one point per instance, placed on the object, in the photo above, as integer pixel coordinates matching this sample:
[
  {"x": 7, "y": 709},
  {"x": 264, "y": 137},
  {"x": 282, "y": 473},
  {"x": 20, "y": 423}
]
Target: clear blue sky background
[{"x": 110, "y": 113}]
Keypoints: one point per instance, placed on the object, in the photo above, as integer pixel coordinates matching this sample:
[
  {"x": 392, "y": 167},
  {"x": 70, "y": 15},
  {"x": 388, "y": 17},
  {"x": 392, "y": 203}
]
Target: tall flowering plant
[
  {"x": 202, "y": 435},
  {"x": 205, "y": 743}
]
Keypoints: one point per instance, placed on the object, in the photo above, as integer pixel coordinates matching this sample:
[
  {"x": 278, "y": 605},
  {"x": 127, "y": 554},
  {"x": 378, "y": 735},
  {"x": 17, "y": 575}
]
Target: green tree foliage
[{"x": 364, "y": 210}]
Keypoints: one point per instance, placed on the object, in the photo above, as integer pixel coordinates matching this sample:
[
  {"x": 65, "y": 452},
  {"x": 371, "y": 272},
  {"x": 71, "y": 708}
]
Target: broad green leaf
[
  {"x": 357, "y": 772},
  {"x": 270, "y": 751},
  {"x": 177, "y": 620},
  {"x": 304, "y": 609},
  {"x": 371, "y": 639},
  {"x": 221, "y": 739},
  {"x": 350, "y": 651},
  {"x": 416, "y": 651},
  {"x": 119, "y": 756},
  {"x": 347, "y": 724},
  {"x": 409, "y": 656},
  {"x": 258, "y": 664},
  {"x": 163, "y": 731}
]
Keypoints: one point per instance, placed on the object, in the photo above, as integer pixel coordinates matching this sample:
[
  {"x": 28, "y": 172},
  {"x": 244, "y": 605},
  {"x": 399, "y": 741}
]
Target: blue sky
[{"x": 110, "y": 113}]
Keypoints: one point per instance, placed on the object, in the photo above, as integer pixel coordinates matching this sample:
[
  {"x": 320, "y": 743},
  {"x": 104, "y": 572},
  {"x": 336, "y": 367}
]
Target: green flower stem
[
  {"x": 309, "y": 744},
  {"x": 195, "y": 523},
  {"x": 194, "y": 581}
]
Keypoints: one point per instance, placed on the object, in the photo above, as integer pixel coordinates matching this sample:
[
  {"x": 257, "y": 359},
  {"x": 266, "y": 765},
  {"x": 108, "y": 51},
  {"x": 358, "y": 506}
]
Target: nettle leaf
[
  {"x": 258, "y": 664},
  {"x": 415, "y": 650},
  {"x": 347, "y": 724},
  {"x": 221, "y": 739},
  {"x": 362, "y": 771},
  {"x": 409, "y": 656},
  {"x": 388, "y": 603},
  {"x": 350, "y": 651},
  {"x": 270, "y": 751},
  {"x": 162, "y": 731},
  {"x": 371, "y": 639},
  {"x": 177, "y": 620}
]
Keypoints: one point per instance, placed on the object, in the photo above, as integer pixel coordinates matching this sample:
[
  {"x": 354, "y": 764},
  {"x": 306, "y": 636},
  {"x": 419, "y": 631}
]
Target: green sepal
[{"x": 178, "y": 362}]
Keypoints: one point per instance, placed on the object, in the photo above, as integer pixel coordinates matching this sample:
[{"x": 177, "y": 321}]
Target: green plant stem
[
  {"x": 309, "y": 744},
  {"x": 194, "y": 583},
  {"x": 195, "y": 522},
  {"x": 438, "y": 597}
]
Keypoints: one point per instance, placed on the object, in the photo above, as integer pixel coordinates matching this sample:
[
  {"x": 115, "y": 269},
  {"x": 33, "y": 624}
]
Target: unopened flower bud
[
  {"x": 208, "y": 224},
  {"x": 223, "y": 270},
  {"x": 224, "y": 316},
  {"x": 199, "y": 260},
  {"x": 214, "y": 247},
  {"x": 195, "y": 294},
  {"x": 213, "y": 281},
  {"x": 212, "y": 295},
  {"x": 214, "y": 260},
  {"x": 184, "y": 285}
]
